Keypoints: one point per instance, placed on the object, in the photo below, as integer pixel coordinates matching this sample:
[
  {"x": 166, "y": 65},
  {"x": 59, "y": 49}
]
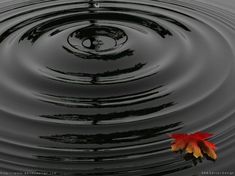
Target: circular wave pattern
[{"x": 94, "y": 87}]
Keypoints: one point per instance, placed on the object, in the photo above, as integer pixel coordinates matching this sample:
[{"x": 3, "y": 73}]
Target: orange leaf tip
[{"x": 195, "y": 144}]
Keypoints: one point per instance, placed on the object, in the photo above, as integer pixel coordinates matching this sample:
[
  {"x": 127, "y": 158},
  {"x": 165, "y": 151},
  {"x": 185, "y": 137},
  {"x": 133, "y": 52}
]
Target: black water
[{"x": 95, "y": 87}]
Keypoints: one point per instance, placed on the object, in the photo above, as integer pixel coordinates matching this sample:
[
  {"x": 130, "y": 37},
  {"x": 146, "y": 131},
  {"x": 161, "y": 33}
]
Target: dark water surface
[{"x": 95, "y": 88}]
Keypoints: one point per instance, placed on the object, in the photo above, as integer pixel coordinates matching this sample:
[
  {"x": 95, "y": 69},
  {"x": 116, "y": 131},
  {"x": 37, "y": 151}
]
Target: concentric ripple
[{"x": 94, "y": 87}]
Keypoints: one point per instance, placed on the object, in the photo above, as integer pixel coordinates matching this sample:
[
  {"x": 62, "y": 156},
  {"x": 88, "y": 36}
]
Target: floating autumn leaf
[{"x": 195, "y": 144}]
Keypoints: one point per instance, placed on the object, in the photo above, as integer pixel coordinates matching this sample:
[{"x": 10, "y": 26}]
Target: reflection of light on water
[{"x": 96, "y": 5}]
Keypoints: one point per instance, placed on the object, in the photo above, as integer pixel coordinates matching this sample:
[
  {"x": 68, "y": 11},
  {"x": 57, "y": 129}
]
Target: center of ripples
[{"x": 97, "y": 38}]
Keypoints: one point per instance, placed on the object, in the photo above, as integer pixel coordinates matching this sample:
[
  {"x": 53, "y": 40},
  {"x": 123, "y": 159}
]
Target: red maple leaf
[{"x": 195, "y": 144}]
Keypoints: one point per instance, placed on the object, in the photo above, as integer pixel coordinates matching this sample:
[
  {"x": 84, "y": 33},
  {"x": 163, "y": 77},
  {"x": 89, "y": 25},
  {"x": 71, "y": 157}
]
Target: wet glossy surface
[{"x": 94, "y": 88}]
